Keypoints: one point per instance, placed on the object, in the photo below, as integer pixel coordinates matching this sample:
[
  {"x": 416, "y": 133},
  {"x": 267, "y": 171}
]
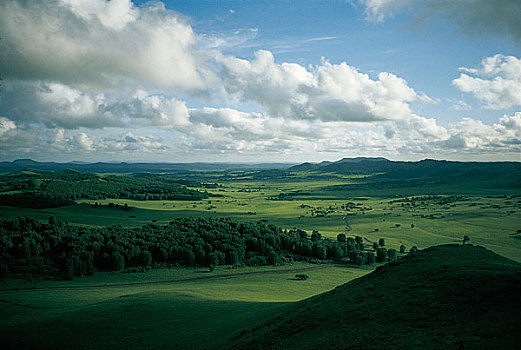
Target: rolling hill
[
  {"x": 444, "y": 297},
  {"x": 427, "y": 172}
]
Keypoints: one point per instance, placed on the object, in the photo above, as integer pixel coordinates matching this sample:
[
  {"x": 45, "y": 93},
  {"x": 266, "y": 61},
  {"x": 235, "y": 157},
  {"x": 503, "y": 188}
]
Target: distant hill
[
  {"x": 363, "y": 165},
  {"x": 123, "y": 167},
  {"x": 397, "y": 174},
  {"x": 33, "y": 188},
  {"x": 445, "y": 297}
]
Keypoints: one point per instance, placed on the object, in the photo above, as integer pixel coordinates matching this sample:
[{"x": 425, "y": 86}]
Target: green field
[
  {"x": 198, "y": 313},
  {"x": 488, "y": 219},
  {"x": 189, "y": 310}
]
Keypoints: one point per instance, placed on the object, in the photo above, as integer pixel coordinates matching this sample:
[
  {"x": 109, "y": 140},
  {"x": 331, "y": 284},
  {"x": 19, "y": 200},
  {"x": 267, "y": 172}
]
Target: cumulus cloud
[
  {"x": 471, "y": 134},
  {"x": 497, "y": 83},
  {"x": 89, "y": 77},
  {"x": 231, "y": 132},
  {"x": 329, "y": 92},
  {"x": 56, "y": 105},
  {"x": 153, "y": 109},
  {"x": 62, "y": 141},
  {"x": 228, "y": 130},
  {"x": 6, "y": 125},
  {"x": 59, "y": 105},
  {"x": 84, "y": 142},
  {"x": 99, "y": 44},
  {"x": 379, "y": 10},
  {"x": 16, "y": 139},
  {"x": 473, "y": 16}
]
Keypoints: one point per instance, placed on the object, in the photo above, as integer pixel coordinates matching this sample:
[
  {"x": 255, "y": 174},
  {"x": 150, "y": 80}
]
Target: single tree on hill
[{"x": 465, "y": 239}]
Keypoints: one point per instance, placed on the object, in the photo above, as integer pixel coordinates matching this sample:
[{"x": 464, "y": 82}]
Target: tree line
[
  {"x": 30, "y": 247},
  {"x": 37, "y": 189}
]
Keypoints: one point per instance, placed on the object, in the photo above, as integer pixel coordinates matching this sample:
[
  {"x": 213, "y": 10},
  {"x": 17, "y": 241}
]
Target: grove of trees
[
  {"x": 30, "y": 247},
  {"x": 47, "y": 189}
]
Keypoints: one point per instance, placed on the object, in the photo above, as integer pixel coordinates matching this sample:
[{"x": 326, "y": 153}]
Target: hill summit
[{"x": 443, "y": 297}]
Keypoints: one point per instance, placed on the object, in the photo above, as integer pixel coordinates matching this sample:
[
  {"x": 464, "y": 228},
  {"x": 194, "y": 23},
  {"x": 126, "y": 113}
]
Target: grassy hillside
[
  {"x": 176, "y": 308},
  {"x": 444, "y": 297}
]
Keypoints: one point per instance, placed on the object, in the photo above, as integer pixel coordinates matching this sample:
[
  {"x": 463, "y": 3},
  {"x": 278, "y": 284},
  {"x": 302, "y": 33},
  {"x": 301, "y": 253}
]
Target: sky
[{"x": 260, "y": 81}]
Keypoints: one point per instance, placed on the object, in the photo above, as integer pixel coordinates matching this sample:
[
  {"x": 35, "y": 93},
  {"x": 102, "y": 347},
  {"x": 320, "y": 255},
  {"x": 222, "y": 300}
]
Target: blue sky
[
  {"x": 247, "y": 81},
  {"x": 427, "y": 54}
]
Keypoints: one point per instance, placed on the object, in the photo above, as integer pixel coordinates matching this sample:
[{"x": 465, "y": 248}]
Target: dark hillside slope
[{"x": 445, "y": 297}]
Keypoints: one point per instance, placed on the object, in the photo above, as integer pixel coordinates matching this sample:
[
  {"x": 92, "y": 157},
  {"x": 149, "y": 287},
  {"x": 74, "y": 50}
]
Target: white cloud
[
  {"x": 497, "y": 82},
  {"x": 230, "y": 132},
  {"x": 471, "y": 134},
  {"x": 61, "y": 141},
  {"x": 84, "y": 142},
  {"x": 379, "y": 10},
  {"x": 89, "y": 77},
  {"x": 460, "y": 105},
  {"x": 328, "y": 92},
  {"x": 56, "y": 105},
  {"x": 100, "y": 44},
  {"x": 16, "y": 139},
  {"x": 59, "y": 105},
  {"x": 154, "y": 110},
  {"x": 6, "y": 125},
  {"x": 114, "y": 14},
  {"x": 473, "y": 16}
]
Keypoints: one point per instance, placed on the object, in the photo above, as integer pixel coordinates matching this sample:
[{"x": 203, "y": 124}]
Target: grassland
[
  {"x": 187, "y": 311},
  {"x": 444, "y": 297},
  {"x": 489, "y": 218}
]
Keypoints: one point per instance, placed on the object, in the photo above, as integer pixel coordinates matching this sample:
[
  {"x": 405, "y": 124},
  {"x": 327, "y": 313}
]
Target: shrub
[{"x": 301, "y": 277}]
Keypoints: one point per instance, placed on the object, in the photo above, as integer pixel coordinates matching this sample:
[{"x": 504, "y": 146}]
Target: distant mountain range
[
  {"x": 428, "y": 172},
  {"x": 123, "y": 167},
  {"x": 362, "y": 165},
  {"x": 383, "y": 171}
]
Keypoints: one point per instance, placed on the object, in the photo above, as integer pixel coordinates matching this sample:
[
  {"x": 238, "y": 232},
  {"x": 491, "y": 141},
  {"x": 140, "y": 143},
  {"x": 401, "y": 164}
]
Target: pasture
[
  {"x": 188, "y": 308},
  {"x": 440, "y": 217},
  {"x": 194, "y": 308}
]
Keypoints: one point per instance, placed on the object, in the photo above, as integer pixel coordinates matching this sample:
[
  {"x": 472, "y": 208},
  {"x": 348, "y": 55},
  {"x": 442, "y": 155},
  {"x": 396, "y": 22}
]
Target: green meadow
[
  {"x": 489, "y": 218},
  {"x": 189, "y": 308},
  {"x": 194, "y": 308}
]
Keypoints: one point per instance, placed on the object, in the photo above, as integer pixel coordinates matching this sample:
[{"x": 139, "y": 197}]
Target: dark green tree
[
  {"x": 381, "y": 255},
  {"x": 391, "y": 254},
  {"x": 315, "y": 236}
]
